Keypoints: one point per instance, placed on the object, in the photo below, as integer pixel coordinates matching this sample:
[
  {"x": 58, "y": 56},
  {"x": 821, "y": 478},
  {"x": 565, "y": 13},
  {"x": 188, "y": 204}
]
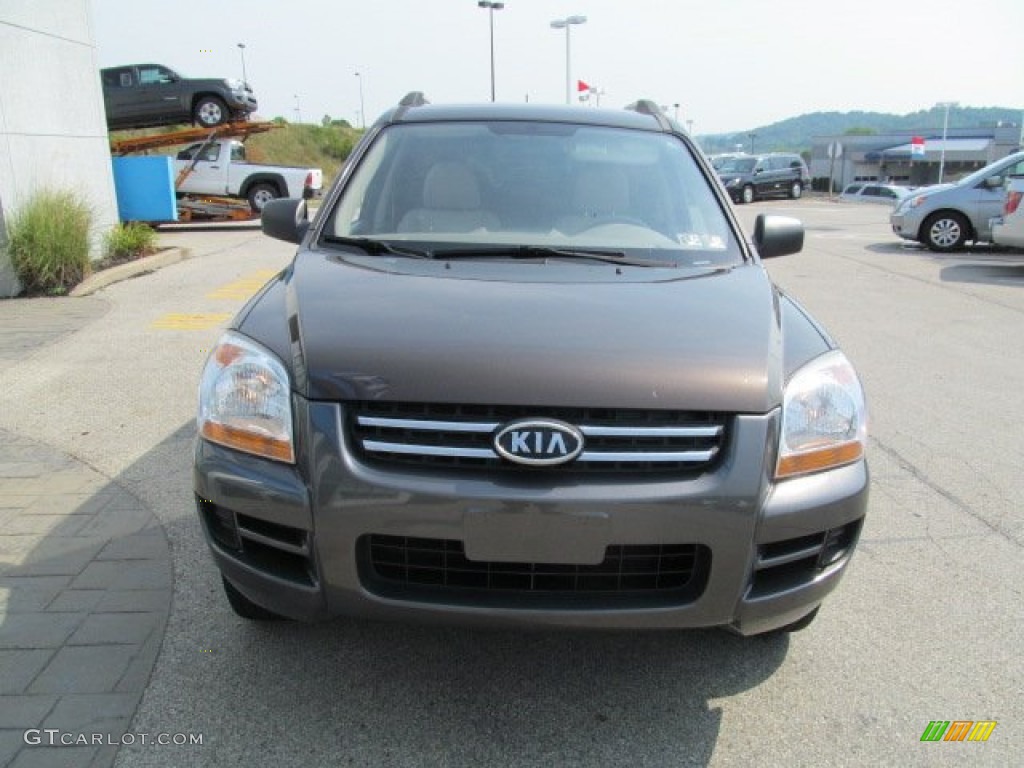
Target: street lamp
[
  {"x": 945, "y": 127},
  {"x": 491, "y": 8},
  {"x": 566, "y": 24},
  {"x": 362, "y": 107},
  {"x": 241, "y": 50},
  {"x": 752, "y": 136}
]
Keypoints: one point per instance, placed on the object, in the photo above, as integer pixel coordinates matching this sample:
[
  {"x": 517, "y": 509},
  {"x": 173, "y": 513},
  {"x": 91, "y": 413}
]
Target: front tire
[
  {"x": 261, "y": 194},
  {"x": 747, "y": 195},
  {"x": 210, "y": 112},
  {"x": 246, "y": 608},
  {"x": 945, "y": 231},
  {"x": 796, "y": 190}
]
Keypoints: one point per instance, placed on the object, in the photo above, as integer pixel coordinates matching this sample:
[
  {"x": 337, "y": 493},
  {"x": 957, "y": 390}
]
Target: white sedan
[
  {"x": 873, "y": 192},
  {"x": 1008, "y": 229}
]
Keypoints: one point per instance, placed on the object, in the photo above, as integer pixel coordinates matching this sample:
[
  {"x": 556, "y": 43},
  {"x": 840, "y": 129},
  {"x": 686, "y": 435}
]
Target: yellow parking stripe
[
  {"x": 244, "y": 287},
  {"x": 178, "y": 322}
]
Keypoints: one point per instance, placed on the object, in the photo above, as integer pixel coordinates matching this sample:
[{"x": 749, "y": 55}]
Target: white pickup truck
[{"x": 221, "y": 169}]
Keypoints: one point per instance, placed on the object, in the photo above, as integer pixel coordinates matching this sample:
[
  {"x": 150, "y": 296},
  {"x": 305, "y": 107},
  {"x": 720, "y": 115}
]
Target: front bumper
[
  {"x": 243, "y": 103},
  {"x": 301, "y": 541},
  {"x": 905, "y": 226}
]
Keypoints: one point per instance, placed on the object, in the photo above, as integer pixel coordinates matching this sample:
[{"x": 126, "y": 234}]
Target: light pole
[
  {"x": 362, "y": 107},
  {"x": 241, "y": 50},
  {"x": 566, "y": 24},
  {"x": 945, "y": 127},
  {"x": 752, "y": 136},
  {"x": 491, "y": 8},
  {"x": 298, "y": 111}
]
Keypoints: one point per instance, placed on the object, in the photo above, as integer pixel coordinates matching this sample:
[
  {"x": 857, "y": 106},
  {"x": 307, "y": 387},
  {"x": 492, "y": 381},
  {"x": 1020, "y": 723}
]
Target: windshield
[
  {"x": 738, "y": 165},
  {"x": 466, "y": 185},
  {"x": 1012, "y": 165}
]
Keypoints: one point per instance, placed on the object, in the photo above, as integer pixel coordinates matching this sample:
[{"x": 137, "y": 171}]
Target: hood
[
  {"x": 931, "y": 189},
  {"x": 709, "y": 342}
]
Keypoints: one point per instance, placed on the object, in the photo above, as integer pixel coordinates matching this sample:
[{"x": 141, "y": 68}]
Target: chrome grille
[{"x": 461, "y": 436}]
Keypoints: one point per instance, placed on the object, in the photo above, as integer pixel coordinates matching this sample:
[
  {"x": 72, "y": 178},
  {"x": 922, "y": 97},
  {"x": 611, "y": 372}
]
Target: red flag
[{"x": 581, "y": 86}]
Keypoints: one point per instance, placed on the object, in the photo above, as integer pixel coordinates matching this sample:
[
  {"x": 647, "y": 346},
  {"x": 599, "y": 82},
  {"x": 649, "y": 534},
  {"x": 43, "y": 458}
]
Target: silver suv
[
  {"x": 525, "y": 368},
  {"x": 945, "y": 217}
]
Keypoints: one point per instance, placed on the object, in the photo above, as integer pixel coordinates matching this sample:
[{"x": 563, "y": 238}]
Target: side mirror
[
  {"x": 993, "y": 182},
  {"x": 285, "y": 219},
  {"x": 778, "y": 235}
]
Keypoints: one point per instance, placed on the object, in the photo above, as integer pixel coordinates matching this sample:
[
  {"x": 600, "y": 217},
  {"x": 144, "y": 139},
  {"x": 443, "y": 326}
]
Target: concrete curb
[{"x": 129, "y": 270}]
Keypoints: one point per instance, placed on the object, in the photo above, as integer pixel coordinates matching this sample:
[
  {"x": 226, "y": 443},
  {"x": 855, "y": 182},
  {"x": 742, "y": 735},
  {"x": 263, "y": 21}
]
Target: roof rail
[
  {"x": 410, "y": 100},
  {"x": 413, "y": 99},
  {"x": 648, "y": 107}
]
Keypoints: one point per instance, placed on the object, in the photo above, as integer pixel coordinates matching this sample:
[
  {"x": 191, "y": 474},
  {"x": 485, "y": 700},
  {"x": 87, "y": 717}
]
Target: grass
[
  {"x": 127, "y": 242},
  {"x": 49, "y": 242},
  {"x": 313, "y": 146}
]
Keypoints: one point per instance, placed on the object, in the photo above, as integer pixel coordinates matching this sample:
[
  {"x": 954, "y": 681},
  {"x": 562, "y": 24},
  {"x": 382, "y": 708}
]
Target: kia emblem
[{"x": 538, "y": 442}]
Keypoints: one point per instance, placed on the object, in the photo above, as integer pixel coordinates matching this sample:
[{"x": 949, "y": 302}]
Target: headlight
[
  {"x": 245, "y": 400},
  {"x": 824, "y": 419},
  {"x": 910, "y": 201},
  {"x": 732, "y": 182}
]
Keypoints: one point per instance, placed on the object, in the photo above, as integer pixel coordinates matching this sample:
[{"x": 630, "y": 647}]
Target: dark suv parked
[
  {"x": 777, "y": 174},
  {"x": 525, "y": 368},
  {"x": 146, "y": 95}
]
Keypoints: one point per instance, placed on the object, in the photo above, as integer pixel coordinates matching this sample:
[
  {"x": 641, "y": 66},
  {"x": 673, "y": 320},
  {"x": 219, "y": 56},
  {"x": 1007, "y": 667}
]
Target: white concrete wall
[{"x": 53, "y": 132}]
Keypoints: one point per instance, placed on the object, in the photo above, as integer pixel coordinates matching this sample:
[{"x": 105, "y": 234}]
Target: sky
[{"x": 729, "y": 65}]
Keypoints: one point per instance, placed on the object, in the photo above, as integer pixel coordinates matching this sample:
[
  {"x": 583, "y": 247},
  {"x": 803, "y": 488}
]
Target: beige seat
[
  {"x": 598, "y": 194},
  {"x": 451, "y": 203}
]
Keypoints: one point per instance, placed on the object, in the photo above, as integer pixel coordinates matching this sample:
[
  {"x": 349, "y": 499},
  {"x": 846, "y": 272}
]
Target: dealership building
[
  {"x": 53, "y": 130},
  {"x": 889, "y": 156}
]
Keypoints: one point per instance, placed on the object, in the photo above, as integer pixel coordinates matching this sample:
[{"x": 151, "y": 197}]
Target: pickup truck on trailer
[{"x": 221, "y": 169}]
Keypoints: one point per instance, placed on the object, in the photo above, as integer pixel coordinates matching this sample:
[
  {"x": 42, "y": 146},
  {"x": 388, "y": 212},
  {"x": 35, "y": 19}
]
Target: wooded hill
[{"x": 797, "y": 133}]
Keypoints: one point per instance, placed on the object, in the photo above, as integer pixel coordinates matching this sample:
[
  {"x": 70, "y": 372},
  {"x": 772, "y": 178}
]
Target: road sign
[{"x": 835, "y": 150}]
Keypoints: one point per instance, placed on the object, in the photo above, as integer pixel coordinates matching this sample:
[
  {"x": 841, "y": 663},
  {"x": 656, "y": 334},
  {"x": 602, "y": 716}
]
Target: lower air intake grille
[
  {"x": 438, "y": 570},
  {"x": 279, "y": 550}
]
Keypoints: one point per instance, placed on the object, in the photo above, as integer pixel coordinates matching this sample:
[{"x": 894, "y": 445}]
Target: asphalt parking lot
[{"x": 924, "y": 627}]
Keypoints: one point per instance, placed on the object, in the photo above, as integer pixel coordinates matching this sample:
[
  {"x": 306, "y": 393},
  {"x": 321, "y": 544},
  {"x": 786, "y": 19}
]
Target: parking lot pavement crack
[
  {"x": 949, "y": 287},
  {"x": 922, "y": 477}
]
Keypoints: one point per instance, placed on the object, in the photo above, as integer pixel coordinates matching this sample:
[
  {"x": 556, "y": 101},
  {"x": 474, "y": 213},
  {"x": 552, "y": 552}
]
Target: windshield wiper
[
  {"x": 542, "y": 252},
  {"x": 377, "y": 247}
]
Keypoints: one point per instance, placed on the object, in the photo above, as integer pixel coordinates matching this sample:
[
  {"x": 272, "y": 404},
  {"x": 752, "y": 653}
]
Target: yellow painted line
[
  {"x": 244, "y": 287},
  {"x": 177, "y": 322}
]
